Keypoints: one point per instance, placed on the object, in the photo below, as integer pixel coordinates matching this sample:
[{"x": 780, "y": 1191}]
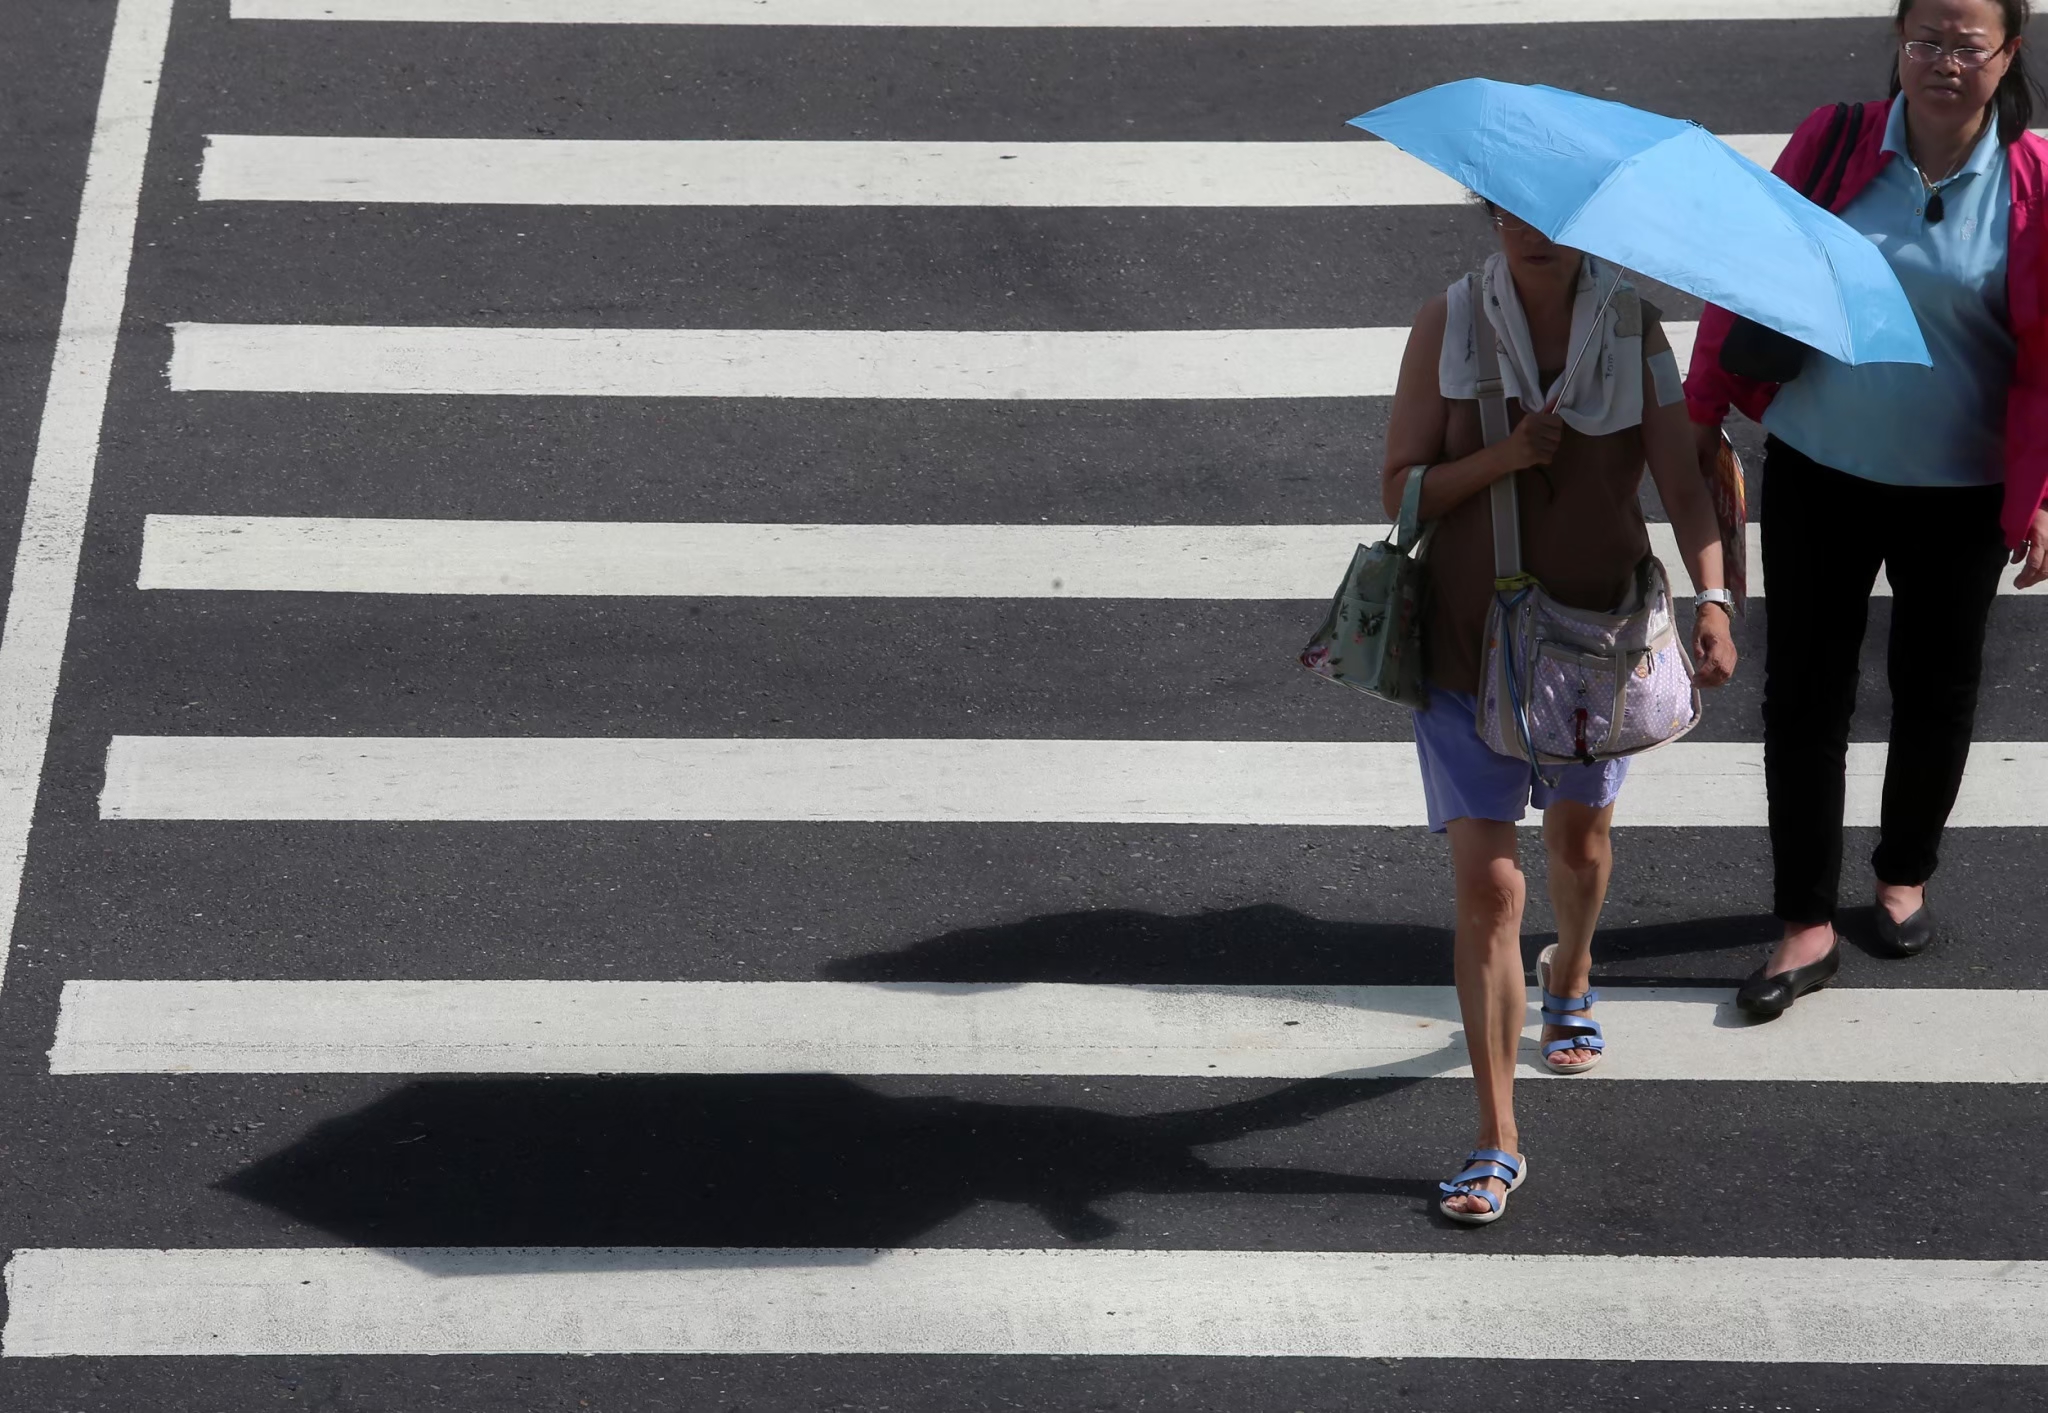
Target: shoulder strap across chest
[{"x": 1493, "y": 427}]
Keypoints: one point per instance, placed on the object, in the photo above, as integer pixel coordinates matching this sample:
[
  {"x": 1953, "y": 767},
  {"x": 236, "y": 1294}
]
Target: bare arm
[
  {"x": 1669, "y": 444},
  {"x": 1675, "y": 466},
  {"x": 1416, "y": 428}
]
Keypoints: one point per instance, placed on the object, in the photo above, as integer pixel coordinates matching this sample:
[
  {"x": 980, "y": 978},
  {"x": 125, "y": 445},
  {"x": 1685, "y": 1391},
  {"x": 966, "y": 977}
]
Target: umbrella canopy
[{"x": 1667, "y": 199}]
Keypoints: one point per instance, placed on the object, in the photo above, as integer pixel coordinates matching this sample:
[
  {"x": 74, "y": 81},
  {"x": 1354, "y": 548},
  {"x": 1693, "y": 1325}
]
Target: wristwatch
[{"x": 1718, "y": 596}]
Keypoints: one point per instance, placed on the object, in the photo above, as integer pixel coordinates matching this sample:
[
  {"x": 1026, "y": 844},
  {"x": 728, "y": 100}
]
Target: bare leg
[
  {"x": 1491, "y": 992},
  {"x": 1580, "y": 842}
]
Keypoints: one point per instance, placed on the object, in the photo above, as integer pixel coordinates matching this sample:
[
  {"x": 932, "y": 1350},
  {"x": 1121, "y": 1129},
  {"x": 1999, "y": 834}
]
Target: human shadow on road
[
  {"x": 821, "y": 1162},
  {"x": 813, "y": 1161},
  {"x": 1271, "y": 945}
]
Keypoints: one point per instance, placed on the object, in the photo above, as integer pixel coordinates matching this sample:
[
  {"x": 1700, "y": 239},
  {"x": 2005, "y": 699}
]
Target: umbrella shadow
[
  {"x": 1266, "y": 944},
  {"x": 817, "y": 1162},
  {"x": 1735, "y": 943}
]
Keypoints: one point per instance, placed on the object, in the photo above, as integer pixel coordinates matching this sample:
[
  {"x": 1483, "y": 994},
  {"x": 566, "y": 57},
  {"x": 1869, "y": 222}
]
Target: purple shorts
[{"x": 1464, "y": 778}]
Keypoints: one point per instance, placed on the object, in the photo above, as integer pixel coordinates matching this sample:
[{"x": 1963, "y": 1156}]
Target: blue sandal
[
  {"x": 1482, "y": 1164},
  {"x": 1567, "y": 1013}
]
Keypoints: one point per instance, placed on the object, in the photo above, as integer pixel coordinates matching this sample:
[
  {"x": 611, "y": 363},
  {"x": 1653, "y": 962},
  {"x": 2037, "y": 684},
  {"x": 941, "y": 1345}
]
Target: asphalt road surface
[{"x": 566, "y": 874}]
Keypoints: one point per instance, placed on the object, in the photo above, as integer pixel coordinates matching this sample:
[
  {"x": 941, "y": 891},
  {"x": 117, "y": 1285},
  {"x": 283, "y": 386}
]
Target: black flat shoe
[
  {"x": 1905, "y": 939},
  {"x": 1766, "y": 997}
]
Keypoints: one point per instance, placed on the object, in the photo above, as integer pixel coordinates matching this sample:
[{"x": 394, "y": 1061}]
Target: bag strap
[
  {"x": 1833, "y": 189},
  {"x": 1407, "y": 529},
  {"x": 1493, "y": 427},
  {"x": 1825, "y": 154},
  {"x": 1824, "y": 178}
]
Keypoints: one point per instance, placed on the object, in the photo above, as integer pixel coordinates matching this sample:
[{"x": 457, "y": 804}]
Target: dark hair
[{"x": 2014, "y": 100}]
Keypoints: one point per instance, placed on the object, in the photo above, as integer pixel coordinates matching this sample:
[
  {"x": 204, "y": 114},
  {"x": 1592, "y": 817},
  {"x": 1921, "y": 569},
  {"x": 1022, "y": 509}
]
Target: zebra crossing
[{"x": 742, "y": 848}]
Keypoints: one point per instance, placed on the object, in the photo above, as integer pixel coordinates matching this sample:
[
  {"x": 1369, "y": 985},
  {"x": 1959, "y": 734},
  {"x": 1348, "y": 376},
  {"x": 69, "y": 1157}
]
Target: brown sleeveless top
[{"x": 1582, "y": 531}]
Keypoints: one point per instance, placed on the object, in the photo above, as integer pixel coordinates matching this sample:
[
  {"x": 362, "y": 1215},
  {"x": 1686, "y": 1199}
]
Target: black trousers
[{"x": 1825, "y": 535}]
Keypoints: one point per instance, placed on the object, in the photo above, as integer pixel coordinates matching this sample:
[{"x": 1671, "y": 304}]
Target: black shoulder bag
[{"x": 1753, "y": 350}]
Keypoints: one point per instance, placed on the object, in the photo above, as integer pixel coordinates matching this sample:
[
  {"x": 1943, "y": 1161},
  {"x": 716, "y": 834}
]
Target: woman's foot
[
  {"x": 1479, "y": 1193},
  {"x": 1568, "y": 979},
  {"x": 1900, "y": 903},
  {"x": 1905, "y": 924},
  {"x": 1798, "y": 966},
  {"x": 1801, "y": 947}
]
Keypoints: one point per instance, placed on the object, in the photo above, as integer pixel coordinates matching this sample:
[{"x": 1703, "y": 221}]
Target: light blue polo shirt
[{"x": 1898, "y": 422}]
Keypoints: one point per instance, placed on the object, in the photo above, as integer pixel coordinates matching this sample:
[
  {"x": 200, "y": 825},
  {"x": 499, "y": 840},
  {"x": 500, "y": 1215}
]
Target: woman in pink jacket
[{"x": 1937, "y": 474}]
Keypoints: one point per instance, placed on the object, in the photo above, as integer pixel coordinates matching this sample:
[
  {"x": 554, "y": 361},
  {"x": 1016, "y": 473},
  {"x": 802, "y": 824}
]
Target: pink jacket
[{"x": 1709, "y": 391}]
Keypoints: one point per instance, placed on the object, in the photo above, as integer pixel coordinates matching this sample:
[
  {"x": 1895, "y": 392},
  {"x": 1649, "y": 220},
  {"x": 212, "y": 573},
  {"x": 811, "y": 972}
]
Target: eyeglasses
[
  {"x": 1921, "y": 52},
  {"x": 1502, "y": 221}
]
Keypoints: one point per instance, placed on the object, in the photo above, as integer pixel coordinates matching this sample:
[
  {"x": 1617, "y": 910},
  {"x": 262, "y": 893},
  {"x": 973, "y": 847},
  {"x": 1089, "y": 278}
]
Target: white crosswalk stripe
[
  {"x": 925, "y": 1028},
  {"x": 1176, "y": 365},
  {"x": 1011, "y": 14},
  {"x": 1408, "y": 1305},
  {"x": 567, "y": 172},
  {"x": 1365, "y": 783},
  {"x": 768, "y": 561},
  {"x": 334, "y": 555},
  {"x": 1182, "y": 365},
  {"x": 53, "y": 519}
]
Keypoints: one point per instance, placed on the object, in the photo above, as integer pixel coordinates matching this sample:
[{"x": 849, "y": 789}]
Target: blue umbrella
[{"x": 1667, "y": 199}]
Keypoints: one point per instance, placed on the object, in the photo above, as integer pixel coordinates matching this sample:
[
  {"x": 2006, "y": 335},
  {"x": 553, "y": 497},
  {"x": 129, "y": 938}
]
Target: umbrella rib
[
  {"x": 1599, "y": 318},
  {"x": 1614, "y": 173},
  {"x": 1841, "y": 305},
  {"x": 1637, "y": 159}
]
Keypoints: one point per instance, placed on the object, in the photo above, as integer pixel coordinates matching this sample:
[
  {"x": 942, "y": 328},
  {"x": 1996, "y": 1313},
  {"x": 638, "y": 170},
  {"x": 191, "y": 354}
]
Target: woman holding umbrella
[
  {"x": 1583, "y": 536},
  {"x": 1565, "y": 174},
  {"x": 1936, "y": 473}
]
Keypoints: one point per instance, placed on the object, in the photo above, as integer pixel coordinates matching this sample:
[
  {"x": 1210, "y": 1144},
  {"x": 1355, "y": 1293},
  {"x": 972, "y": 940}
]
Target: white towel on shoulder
[{"x": 1606, "y": 394}]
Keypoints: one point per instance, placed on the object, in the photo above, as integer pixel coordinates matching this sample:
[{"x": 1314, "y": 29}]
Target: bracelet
[{"x": 1723, "y": 597}]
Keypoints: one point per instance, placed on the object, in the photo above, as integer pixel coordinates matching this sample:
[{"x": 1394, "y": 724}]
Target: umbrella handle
[{"x": 1599, "y": 318}]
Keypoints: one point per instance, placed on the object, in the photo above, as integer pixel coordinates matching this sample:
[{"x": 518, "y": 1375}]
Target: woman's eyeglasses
[{"x": 1921, "y": 52}]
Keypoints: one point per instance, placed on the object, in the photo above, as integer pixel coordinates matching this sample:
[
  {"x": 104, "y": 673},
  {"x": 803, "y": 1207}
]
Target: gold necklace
[
  {"x": 1932, "y": 182},
  {"x": 1935, "y": 208}
]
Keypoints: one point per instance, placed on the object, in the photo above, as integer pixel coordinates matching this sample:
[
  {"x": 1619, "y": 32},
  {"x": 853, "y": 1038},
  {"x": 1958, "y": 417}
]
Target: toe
[
  {"x": 1474, "y": 1205},
  {"x": 1566, "y": 1057}
]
